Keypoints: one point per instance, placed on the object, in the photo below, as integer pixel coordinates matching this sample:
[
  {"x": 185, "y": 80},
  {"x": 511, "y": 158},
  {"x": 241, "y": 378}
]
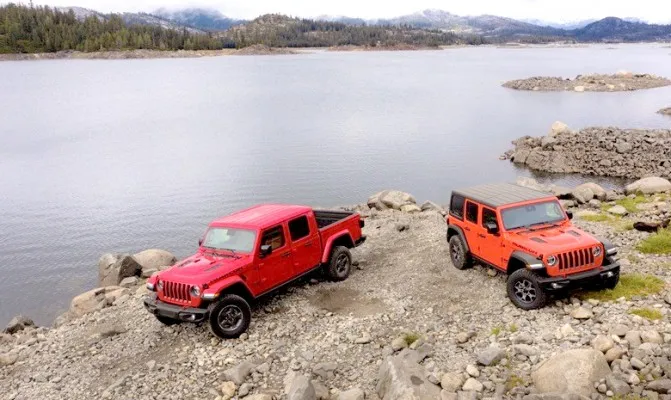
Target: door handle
[
  {"x": 285, "y": 255},
  {"x": 308, "y": 244},
  {"x": 467, "y": 228},
  {"x": 481, "y": 235}
]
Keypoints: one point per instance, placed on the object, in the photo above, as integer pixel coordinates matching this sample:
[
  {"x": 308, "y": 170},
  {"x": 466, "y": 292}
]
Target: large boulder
[
  {"x": 95, "y": 299},
  {"x": 239, "y": 373},
  {"x": 19, "y": 323},
  {"x": 113, "y": 268},
  {"x": 402, "y": 379},
  {"x": 390, "y": 199},
  {"x": 301, "y": 389},
  {"x": 649, "y": 185},
  {"x": 573, "y": 371},
  {"x": 154, "y": 259}
]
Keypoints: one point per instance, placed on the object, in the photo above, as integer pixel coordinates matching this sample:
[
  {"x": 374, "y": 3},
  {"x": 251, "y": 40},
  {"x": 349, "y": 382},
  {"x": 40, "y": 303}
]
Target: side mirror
[
  {"x": 200, "y": 242},
  {"x": 492, "y": 228},
  {"x": 266, "y": 250},
  {"x": 569, "y": 214}
]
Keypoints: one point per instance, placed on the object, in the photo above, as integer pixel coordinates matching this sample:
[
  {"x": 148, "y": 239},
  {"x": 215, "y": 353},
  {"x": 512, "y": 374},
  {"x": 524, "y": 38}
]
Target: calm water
[{"x": 100, "y": 156}]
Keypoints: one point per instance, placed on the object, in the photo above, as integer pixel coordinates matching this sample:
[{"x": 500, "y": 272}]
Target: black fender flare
[
  {"x": 609, "y": 248},
  {"x": 460, "y": 233},
  {"x": 531, "y": 262}
]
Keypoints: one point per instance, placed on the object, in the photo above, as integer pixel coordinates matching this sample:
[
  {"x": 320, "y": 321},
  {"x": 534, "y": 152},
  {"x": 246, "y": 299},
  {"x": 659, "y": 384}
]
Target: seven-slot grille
[
  {"x": 575, "y": 259},
  {"x": 178, "y": 292}
]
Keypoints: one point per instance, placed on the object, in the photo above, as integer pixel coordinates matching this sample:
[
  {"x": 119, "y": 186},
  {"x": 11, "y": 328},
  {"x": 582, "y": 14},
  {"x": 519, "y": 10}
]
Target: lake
[{"x": 121, "y": 155}]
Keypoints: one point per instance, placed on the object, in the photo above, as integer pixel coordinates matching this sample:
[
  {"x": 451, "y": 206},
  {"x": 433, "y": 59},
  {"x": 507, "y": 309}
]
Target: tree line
[
  {"x": 281, "y": 31},
  {"x": 31, "y": 29}
]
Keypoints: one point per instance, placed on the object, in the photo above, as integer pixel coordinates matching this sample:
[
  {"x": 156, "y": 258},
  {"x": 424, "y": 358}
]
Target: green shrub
[
  {"x": 647, "y": 313},
  {"x": 630, "y": 285},
  {"x": 657, "y": 243}
]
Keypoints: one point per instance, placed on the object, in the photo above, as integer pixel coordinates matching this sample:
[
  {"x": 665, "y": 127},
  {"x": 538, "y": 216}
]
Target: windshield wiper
[{"x": 235, "y": 255}]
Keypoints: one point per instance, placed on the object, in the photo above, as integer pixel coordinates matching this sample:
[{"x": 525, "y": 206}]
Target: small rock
[
  {"x": 581, "y": 313},
  {"x": 239, "y": 373},
  {"x": 244, "y": 390},
  {"x": 615, "y": 353},
  {"x": 227, "y": 390},
  {"x": 659, "y": 386},
  {"x": 472, "y": 385},
  {"x": 402, "y": 227},
  {"x": 301, "y": 389},
  {"x": 651, "y": 337},
  {"x": 399, "y": 343},
  {"x": 363, "y": 339},
  {"x": 618, "y": 387},
  {"x": 352, "y": 394},
  {"x": 618, "y": 210},
  {"x": 472, "y": 370},
  {"x": 18, "y": 324},
  {"x": 636, "y": 363},
  {"x": 620, "y": 330},
  {"x": 451, "y": 382},
  {"x": 129, "y": 282},
  {"x": 603, "y": 343},
  {"x": 491, "y": 356}
]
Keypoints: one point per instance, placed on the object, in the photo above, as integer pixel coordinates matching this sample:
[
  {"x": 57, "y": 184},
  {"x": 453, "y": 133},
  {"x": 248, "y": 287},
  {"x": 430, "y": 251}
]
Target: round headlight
[
  {"x": 596, "y": 251},
  {"x": 552, "y": 260},
  {"x": 159, "y": 285},
  {"x": 195, "y": 291}
]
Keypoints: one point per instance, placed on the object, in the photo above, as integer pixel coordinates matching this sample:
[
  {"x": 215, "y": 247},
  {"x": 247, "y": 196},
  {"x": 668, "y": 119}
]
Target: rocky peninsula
[
  {"x": 405, "y": 325},
  {"x": 621, "y": 81},
  {"x": 665, "y": 111},
  {"x": 603, "y": 151}
]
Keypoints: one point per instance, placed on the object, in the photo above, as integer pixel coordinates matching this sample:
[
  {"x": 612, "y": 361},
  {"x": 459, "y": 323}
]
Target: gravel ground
[{"x": 337, "y": 333}]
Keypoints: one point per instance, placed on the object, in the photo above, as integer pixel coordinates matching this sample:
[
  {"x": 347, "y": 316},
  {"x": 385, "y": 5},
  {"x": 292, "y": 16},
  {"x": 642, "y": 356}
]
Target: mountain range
[{"x": 488, "y": 26}]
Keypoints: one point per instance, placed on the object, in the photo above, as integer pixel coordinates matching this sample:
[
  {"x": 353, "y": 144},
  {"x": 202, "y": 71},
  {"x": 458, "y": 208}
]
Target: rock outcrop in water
[
  {"x": 665, "y": 111},
  {"x": 604, "y": 151},
  {"x": 621, "y": 81}
]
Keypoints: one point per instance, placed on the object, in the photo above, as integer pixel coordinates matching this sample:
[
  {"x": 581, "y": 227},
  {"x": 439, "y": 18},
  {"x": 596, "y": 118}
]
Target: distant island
[{"x": 72, "y": 31}]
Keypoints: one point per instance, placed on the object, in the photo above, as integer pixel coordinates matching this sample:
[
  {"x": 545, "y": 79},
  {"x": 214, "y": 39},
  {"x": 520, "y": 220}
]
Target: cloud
[{"x": 550, "y": 10}]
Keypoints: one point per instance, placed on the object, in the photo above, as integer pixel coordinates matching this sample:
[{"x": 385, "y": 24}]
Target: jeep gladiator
[
  {"x": 527, "y": 235},
  {"x": 248, "y": 254}
]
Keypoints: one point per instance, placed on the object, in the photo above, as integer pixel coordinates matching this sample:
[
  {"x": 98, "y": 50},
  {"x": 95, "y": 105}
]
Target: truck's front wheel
[
  {"x": 525, "y": 291},
  {"x": 230, "y": 316},
  {"x": 340, "y": 264},
  {"x": 458, "y": 254}
]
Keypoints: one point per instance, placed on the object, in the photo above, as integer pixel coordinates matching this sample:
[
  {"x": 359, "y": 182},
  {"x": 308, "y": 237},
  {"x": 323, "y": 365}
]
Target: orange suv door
[
  {"x": 277, "y": 267},
  {"x": 471, "y": 227},
  {"x": 489, "y": 244}
]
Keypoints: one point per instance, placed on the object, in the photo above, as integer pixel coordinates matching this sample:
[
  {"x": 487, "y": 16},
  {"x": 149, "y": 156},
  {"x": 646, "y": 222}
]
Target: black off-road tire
[
  {"x": 167, "y": 321},
  {"x": 229, "y": 317},
  {"x": 461, "y": 259},
  {"x": 340, "y": 264},
  {"x": 525, "y": 291}
]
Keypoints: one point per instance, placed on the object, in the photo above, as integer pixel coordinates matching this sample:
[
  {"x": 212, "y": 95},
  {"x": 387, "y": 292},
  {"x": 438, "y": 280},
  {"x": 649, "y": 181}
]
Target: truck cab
[
  {"x": 527, "y": 235},
  {"x": 250, "y": 253}
]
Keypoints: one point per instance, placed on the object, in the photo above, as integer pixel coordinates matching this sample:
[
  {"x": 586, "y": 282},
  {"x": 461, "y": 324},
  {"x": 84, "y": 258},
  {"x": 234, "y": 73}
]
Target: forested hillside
[
  {"x": 42, "y": 29},
  {"x": 281, "y": 31}
]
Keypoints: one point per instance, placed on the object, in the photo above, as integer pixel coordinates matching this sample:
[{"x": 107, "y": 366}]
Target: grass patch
[
  {"x": 596, "y": 218},
  {"x": 647, "y": 313},
  {"x": 496, "y": 331},
  {"x": 630, "y": 396},
  {"x": 514, "y": 381},
  {"x": 410, "y": 338},
  {"x": 633, "y": 258},
  {"x": 630, "y": 285},
  {"x": 630, "y": 203},
  {"x": 657, "y": 243},
  {"x": 513, "y": 328}
]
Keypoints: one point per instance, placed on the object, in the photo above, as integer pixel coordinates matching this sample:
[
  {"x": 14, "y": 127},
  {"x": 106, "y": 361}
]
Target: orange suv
[{"x": 529, "y": 236}]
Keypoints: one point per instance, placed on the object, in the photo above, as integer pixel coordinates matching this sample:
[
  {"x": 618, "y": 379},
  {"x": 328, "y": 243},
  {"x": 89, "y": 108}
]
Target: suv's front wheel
[
  {"x": 230, "y": 316},
  {"x": 525, "y": 291},
  {"x": 458, "y": 254}
]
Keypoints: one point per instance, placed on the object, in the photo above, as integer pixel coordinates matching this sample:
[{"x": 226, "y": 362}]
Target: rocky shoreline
[
  {"x": 405, "y": 325},
  {"x": 621, "y": 81},
  {"x": 665, "y": 111},
  {"x": 145, "y": 54},
  {"x": 602, "y": 151}
]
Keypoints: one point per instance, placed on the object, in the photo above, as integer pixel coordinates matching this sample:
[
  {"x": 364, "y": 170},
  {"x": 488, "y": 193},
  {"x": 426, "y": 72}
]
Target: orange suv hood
[{"x": 553, "y": 241}]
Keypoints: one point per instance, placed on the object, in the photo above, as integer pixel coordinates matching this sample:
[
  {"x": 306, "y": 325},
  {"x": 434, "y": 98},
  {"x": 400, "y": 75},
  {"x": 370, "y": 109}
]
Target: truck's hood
[
  {"x": 204, "y": 267},
  {"x": 553, "y": 241}
]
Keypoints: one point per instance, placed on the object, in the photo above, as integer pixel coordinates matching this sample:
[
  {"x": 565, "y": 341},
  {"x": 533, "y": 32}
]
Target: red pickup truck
[{"x": 248, "y": 254}]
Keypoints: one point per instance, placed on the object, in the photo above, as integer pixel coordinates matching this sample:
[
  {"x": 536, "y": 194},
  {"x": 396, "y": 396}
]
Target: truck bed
[{"x": 325, "y": 218}]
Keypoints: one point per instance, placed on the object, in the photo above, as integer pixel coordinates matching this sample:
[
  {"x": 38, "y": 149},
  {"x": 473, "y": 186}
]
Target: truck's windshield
[
  {"x": 241, "y": 240},
  {"x": 546, "y": 212}
]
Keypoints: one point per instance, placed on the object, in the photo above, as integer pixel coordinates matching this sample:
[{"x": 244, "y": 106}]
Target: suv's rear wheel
[
  {"x": 458, "y": 254},
  {"x": 525, "y": 291},
  {"x": 340, "y": 264},
  {"x": 230, "y": 316}
]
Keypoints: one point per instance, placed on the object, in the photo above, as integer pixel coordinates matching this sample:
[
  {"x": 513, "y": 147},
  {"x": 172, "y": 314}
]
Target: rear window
[
  {"x": 457, "y": 206},
  {"x": 472, "y": 212},
  {"x": 299, "y": 228}
]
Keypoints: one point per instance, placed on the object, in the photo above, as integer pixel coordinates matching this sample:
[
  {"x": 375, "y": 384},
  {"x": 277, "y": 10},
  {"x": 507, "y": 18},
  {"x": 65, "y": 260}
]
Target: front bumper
[
  {"x": 583, "y": 279},
  {"x": 160, "y": 308}
]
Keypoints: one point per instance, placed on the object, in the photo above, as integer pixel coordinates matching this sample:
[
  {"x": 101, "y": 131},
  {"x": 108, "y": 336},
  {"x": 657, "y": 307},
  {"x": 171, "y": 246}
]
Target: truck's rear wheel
[
  {"x": 230, "y": 316},
  {"x": 458, "y": 254},
  {"x": 525, "y": 291},
  {"x": 340, "y": 264},
  {"x": 167, "y": 321}
]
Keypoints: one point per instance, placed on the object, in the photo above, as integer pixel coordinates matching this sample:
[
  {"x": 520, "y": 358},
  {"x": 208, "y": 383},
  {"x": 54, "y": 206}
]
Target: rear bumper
[
  {"x": 360, "y": 241},
  {"x": 188, "y": 314},
  {"x": 583, "y": 279}
]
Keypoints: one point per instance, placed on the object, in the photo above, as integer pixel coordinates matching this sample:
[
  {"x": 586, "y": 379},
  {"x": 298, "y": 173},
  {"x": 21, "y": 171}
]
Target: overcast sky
[{"x": 548, "y": 10}]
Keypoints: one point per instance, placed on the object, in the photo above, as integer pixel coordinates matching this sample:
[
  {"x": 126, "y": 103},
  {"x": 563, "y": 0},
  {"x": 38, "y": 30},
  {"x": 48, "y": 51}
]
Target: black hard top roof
[{"x": 500, "y": 194}]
